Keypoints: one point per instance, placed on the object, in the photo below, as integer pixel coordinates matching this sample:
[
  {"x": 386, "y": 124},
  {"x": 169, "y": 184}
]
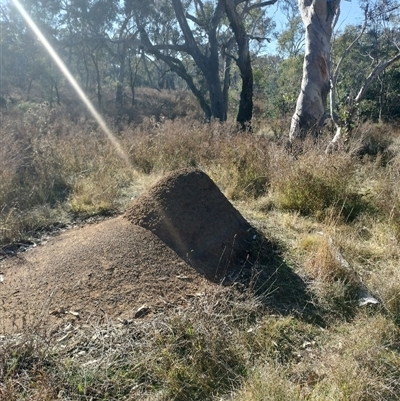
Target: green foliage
[
  {"x": 291, "y": 41},
  {"x": 276, "y": 84},
  {"x": 320, "y": 187},
  {"x": 381, "y": 101}
]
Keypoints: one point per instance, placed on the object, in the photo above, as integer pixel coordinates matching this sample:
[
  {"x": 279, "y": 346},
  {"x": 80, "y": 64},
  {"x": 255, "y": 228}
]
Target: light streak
[{"x": 61, "y": 65}]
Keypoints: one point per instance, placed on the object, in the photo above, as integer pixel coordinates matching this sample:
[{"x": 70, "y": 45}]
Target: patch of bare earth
[
  {"x": 105, "y": 270},
  {"x": 176, "y": 234}
]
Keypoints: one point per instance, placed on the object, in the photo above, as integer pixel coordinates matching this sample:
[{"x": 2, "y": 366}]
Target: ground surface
[
  {"x": 100, "y": 271},
  {"x": 111, "y": 269}
]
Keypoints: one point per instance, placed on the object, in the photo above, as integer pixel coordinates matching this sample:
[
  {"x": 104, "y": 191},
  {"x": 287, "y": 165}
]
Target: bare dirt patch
[
  {"x": 175, "y": 241},
  {"x": 177, "y": 232},
  {"x": 101, "y": 271}
]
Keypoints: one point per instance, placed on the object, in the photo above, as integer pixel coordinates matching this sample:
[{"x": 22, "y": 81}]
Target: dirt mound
[
  {"x": 116, "y": 269},
  {"x": 191, "y": 215},
  {"x": 101, "y": 271}
]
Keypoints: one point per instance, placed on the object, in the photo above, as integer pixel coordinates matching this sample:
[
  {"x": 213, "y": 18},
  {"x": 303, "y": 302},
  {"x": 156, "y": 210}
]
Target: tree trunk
[
  {"x": 57, "y": 93},
  {"x": 319, "y": 18},
  {"x": 85, "y": 63},
  {"x": 98, "y": 81},
  {"x": 245, "y": 113},
  {"x": 119, "y": 96},
  {"x": 216, "y": 96},
  {"x": 209, "y": 65},
  {"x": 133, "y": 74},
  {"x": 227, "y": 82}
]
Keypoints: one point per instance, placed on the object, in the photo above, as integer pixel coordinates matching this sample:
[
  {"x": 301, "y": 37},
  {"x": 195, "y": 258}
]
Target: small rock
[
  {"x": 308, "y": 344},
  {"x": 367, "y": 300},
  {"x": 142, "y": 311},
  {"x": 58, "y": 312},
  {"x": 183, "y": 278},
  {"x": 89, "y": 363},
  {"x": 125, "y": 321}
]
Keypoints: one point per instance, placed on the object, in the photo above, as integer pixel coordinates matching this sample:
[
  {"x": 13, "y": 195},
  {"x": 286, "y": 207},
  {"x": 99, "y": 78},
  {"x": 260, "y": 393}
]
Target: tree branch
[
  {"x": 259, "y": 5},
  {"x": 374, "y": 73},
  {"x": 194, "y": 19},
  {"x": 349, "y": 47},
  {"x": 165, "y": 46},
  {"x": 259, "y": 38},
  {"x": 187, "y": 32},
  {"x": 178, "y": 67}
]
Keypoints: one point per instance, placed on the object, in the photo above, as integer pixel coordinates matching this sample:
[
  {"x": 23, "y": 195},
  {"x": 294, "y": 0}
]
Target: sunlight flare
[{"x": 61, "y": 65}]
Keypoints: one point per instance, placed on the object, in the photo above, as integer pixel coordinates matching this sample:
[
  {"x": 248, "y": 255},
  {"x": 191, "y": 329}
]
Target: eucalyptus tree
[
  {"x": 373, "y": 48},
  {"x": 319, "y": 18},
  {"x": 236, "y": 16},
  {"x": 95, "y": 33},
  {"x": 23, "y": 59},
  {"x": 167, "y": 34},
  {"x": 177, "y": 31}
]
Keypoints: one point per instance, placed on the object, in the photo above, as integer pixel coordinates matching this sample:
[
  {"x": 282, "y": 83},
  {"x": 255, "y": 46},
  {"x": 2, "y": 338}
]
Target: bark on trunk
[
  {"x": 119, "y": 95},
  {"x": 98, "y": 81},
  {"x": 245, "y": 113},
  {"x": 227, "y": 82},
  {"x": 209, "y": 65},
  {"x": 319, "y": 17}
]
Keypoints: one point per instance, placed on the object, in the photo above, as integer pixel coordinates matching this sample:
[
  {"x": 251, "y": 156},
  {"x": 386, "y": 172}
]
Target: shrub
[{"x": 317, "y": 185}]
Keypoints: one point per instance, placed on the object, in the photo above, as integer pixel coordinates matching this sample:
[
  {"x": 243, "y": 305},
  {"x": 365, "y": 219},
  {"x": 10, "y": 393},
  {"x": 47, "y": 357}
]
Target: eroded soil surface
[
  {"x": 101, "y": 271},
  {"x": 175, "y": 234},
  {"x": 178, "y": 239}
]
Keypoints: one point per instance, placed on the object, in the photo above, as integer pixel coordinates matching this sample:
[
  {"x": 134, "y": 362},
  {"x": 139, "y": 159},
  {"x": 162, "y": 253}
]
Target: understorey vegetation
[{"x": 335, "y": 220}]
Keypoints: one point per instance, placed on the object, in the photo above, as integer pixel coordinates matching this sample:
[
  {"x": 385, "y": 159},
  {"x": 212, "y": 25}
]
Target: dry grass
[
  {"x": 356, "y": 361},
  {"x": 318, "y": 185},
  {"x": 54, "y": 167},
  {"x": 335, "y": 219}
]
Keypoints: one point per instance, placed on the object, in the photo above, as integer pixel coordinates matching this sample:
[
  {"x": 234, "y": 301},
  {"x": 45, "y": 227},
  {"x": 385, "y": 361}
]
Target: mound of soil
[
  {"x": 184, "y": 231},
  {"x": 101, "y": 271},
  {"x": 190, "y": 214}
]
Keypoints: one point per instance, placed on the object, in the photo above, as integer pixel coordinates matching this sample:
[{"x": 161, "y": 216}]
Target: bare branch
[
  {"x": 259, "y": 5},
  {"x": 194, "y": 19},
  {"x": 199, "y": 3},
  {"x": 259, "y": 38},
  {"x": 374, "y": 73},
  {"x": 349, "y": 47},
  {"x": 255, "y": 5},
  {"x": 166, "y": 46}
]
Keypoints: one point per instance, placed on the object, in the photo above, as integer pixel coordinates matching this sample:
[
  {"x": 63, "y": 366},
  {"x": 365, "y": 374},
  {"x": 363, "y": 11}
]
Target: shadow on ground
[{"x": 190, "y": 214}]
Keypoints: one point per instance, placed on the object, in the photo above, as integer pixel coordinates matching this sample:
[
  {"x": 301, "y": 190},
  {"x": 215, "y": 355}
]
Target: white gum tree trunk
[{"x": 319, "y": 18}]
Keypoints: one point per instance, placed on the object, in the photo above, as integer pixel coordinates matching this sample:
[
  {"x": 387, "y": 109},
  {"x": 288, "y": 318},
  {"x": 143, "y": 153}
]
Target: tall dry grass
[
  {"x": 227, "y": 345},
  {"x": 53, "y": 167}
]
